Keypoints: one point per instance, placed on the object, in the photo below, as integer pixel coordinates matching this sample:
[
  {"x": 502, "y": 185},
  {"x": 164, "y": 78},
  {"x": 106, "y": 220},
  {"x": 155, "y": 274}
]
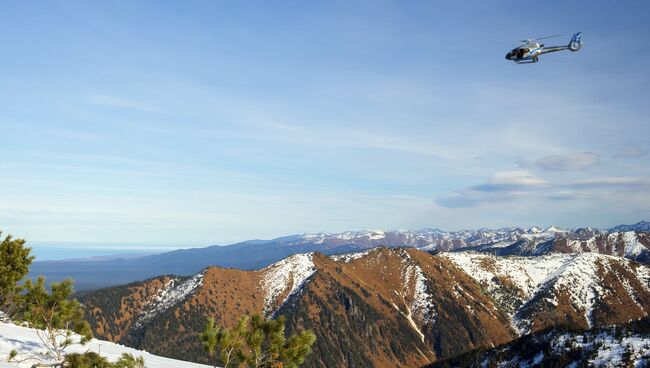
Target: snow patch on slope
[
  {"x": 170, "y": 294},
  {"x": 527, "y": 273},
  {"x": 633, "y": 247},
  {"x": 610, "y": 349},
  {"x": 422, "y": 305},
  {"x": 575, "y": 274},
  {"x": 643, "y": 274},
  {"x": 579, "y": 278},
  {"x": 349, "y": 257},
  {"x": 292, "y": 272},
  {"x": 415, "y": 283}
]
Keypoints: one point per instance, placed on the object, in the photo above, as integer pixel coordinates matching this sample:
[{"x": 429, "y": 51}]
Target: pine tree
[
  {"x": 257, "y": 343},
  {"x": 231, "y": 342},
  {"x": 129, "y": 361},
  {"x": 209, "y": 338},
  {"x": 14, "y": 265},
  {"x": 224, "y": 343},
  {"x": 89, "y": 359},
  {"x": 54, "y": 315},
  {"x": 297, "y": 348}
]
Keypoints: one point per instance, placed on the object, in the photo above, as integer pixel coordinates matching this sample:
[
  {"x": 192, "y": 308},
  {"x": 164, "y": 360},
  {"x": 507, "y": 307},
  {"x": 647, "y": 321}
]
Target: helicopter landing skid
[{"x": 529, "y": 61}]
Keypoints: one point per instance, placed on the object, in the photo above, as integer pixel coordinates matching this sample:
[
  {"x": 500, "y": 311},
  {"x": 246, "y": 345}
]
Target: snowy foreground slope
[{"x": 27, "y": 343}]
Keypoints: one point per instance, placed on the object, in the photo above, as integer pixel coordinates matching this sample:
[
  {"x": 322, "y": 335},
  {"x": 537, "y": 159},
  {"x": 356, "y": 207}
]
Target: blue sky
[{"x": 211, "y": 122}]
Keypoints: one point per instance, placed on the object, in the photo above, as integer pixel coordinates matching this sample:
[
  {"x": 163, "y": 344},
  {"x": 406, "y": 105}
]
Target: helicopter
[{"x": 529, "y": 51}]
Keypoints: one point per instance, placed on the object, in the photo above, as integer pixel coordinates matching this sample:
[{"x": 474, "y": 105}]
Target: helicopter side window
[{"x": 520, "y": 53}]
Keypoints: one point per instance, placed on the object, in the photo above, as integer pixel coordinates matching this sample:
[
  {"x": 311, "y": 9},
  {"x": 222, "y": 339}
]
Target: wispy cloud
[
  {"x": 501, "y": 186},
  {"x": 629, "y": 151},
  {"x": 513, "y": 185},
  {"x": 509, "y": 181},
  {"x": 566, "y": 195},
  {"x": 566, "y": 162},
  {"x": 458, "y": 200},
  {"x": 613, "y": 182}
]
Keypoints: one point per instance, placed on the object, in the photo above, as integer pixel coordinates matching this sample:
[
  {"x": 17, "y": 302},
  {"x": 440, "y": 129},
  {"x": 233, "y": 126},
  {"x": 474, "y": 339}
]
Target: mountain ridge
[
  {"x": 382, "y": 307},
  {"x": 257, "y": 253}
]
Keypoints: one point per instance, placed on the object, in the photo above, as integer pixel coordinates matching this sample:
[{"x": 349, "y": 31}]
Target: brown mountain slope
[
  {"x": 579, "y": 290},
  {"x": 394, "y": 308},
  {"x": 381, "y": 308}
]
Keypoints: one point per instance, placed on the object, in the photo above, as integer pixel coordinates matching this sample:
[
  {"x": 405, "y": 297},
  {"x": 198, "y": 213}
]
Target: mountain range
[
  {"x": 381, "y": 307},
  {"x": 630, "y": 241}
]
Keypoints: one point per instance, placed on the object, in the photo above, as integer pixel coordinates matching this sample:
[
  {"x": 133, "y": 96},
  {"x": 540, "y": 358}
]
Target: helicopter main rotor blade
[{"x": 545, "y": 37}]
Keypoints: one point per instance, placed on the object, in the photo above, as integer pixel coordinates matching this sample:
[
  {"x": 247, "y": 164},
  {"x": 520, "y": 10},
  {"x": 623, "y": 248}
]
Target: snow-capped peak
[
  {"x": 578, "y": 276},
  {"x": 287, "y": 275},
  {"x": 555, "y": 229}
]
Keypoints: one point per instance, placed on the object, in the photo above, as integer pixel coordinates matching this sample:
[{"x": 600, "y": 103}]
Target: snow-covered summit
[
  {"x": 285, "y": 278},
  {"x": 586, "y": 280},
  {"x": 504, "y": 241},
  {"x": 436, "y": 238},
  {"x": 423, "y": 239},
  {"x": 555, "y": 229}
]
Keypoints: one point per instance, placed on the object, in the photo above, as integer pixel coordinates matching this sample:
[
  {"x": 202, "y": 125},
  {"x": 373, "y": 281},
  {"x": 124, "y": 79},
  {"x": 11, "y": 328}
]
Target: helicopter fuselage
[{"x": 527, "y": 53}]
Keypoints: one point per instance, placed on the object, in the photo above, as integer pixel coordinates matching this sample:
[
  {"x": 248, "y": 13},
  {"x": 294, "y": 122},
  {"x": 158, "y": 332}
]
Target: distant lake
[{"x": 48, "y": 251}]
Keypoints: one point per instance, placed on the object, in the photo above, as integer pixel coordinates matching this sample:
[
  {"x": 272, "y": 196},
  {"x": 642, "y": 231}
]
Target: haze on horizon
[{"x": 213, "y": 122}]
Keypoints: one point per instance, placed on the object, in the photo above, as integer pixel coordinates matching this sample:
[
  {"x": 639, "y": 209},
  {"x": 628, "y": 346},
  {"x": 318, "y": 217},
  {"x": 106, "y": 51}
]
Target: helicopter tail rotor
[{"x": 575, "y": 44}]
